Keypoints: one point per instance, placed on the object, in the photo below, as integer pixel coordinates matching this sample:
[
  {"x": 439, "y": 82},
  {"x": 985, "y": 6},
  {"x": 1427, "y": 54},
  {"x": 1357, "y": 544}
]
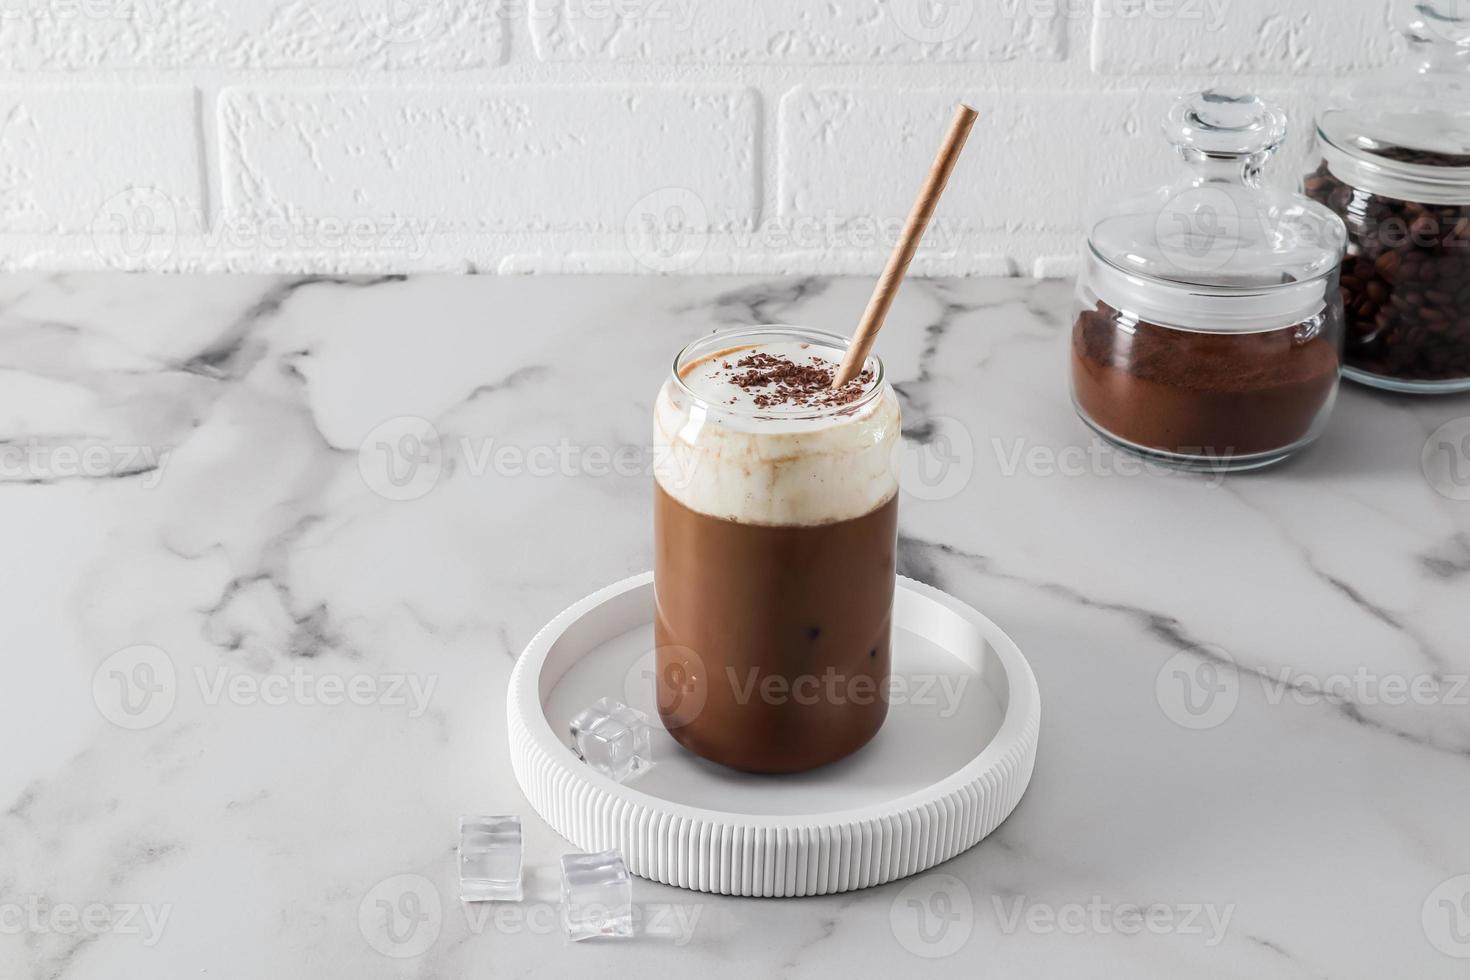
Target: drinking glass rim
[{"x": 789, "y": 331}]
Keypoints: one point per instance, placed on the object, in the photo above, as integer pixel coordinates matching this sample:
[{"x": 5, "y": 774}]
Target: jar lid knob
[
  {"x": 1440, "y": 20},
  {"x": 1223, "y": 125}
]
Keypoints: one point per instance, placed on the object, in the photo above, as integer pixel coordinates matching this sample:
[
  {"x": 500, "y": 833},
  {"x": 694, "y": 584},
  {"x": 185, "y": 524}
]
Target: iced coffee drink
[{"x": 775, "y": 525}]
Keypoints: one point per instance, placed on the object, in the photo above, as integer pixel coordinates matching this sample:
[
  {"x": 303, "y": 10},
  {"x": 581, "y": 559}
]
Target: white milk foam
[{"x": 782, "y": 464}]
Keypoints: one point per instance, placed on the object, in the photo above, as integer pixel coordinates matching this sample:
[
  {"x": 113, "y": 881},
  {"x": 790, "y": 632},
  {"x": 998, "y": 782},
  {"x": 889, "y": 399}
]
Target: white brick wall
[
  {"x": 610, "y": 135},
  {"x": 813, "y": 33},
  {"x": 66, "y": 149}
]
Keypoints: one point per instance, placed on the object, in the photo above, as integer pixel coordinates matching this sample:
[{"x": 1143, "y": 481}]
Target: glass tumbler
[{"x": 775, "y": 536}]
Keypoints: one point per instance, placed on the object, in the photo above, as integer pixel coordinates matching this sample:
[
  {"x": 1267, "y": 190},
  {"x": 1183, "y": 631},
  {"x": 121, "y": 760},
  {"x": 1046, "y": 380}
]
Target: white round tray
[{"x": 949, "y": 764}]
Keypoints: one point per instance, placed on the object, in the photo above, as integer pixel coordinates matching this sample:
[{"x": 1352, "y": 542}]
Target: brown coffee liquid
[{"x": 773, "y": 642}]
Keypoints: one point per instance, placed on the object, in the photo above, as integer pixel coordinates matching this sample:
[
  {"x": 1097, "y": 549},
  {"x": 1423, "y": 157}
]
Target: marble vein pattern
[{"x": 273, "y": 545}]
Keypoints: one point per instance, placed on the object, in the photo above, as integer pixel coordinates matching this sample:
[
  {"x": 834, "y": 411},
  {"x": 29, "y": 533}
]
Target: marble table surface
[{"x": 255, "y": 675}]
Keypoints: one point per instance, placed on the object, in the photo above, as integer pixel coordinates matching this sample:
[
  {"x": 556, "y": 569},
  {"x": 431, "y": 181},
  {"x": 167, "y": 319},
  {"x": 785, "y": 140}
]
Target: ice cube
[
  {"x": 596, "y": 896},
  {"x": 490, "y": 859},
  {"x": 613, "y": 739}
]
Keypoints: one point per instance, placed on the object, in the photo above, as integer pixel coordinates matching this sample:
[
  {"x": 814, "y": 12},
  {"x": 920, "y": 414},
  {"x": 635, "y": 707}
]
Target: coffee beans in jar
[
  {"x": 1406, "y": 278},
  {"x": 1393, "y": 161}
]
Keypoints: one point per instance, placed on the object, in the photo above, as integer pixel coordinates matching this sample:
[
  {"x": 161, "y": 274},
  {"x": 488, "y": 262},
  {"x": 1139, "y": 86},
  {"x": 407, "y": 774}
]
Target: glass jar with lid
[
  {"x": 1208, "y": 332},
  {"x": 1394, "y": 161}
]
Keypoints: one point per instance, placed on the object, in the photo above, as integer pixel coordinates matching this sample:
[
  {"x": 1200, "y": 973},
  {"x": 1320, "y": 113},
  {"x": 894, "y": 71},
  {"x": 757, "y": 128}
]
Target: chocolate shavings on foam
[{"x": 789, "y": 383}]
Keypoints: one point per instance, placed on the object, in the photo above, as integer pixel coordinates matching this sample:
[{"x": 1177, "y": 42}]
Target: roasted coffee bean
[
  {"x": 1406, "y": 277},
  {"x": 1404, "y": 154}
]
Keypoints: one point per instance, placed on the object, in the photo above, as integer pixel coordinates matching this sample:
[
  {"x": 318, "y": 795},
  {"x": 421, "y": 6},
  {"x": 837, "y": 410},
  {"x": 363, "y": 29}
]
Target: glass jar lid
[
  {"x": 1218, "y": 238},
  {"x": 1405, "y": 133}
]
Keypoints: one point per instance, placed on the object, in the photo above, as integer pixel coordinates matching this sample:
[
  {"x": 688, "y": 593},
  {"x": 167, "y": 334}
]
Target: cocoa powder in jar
[{"x": 1216, "y": 395}]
